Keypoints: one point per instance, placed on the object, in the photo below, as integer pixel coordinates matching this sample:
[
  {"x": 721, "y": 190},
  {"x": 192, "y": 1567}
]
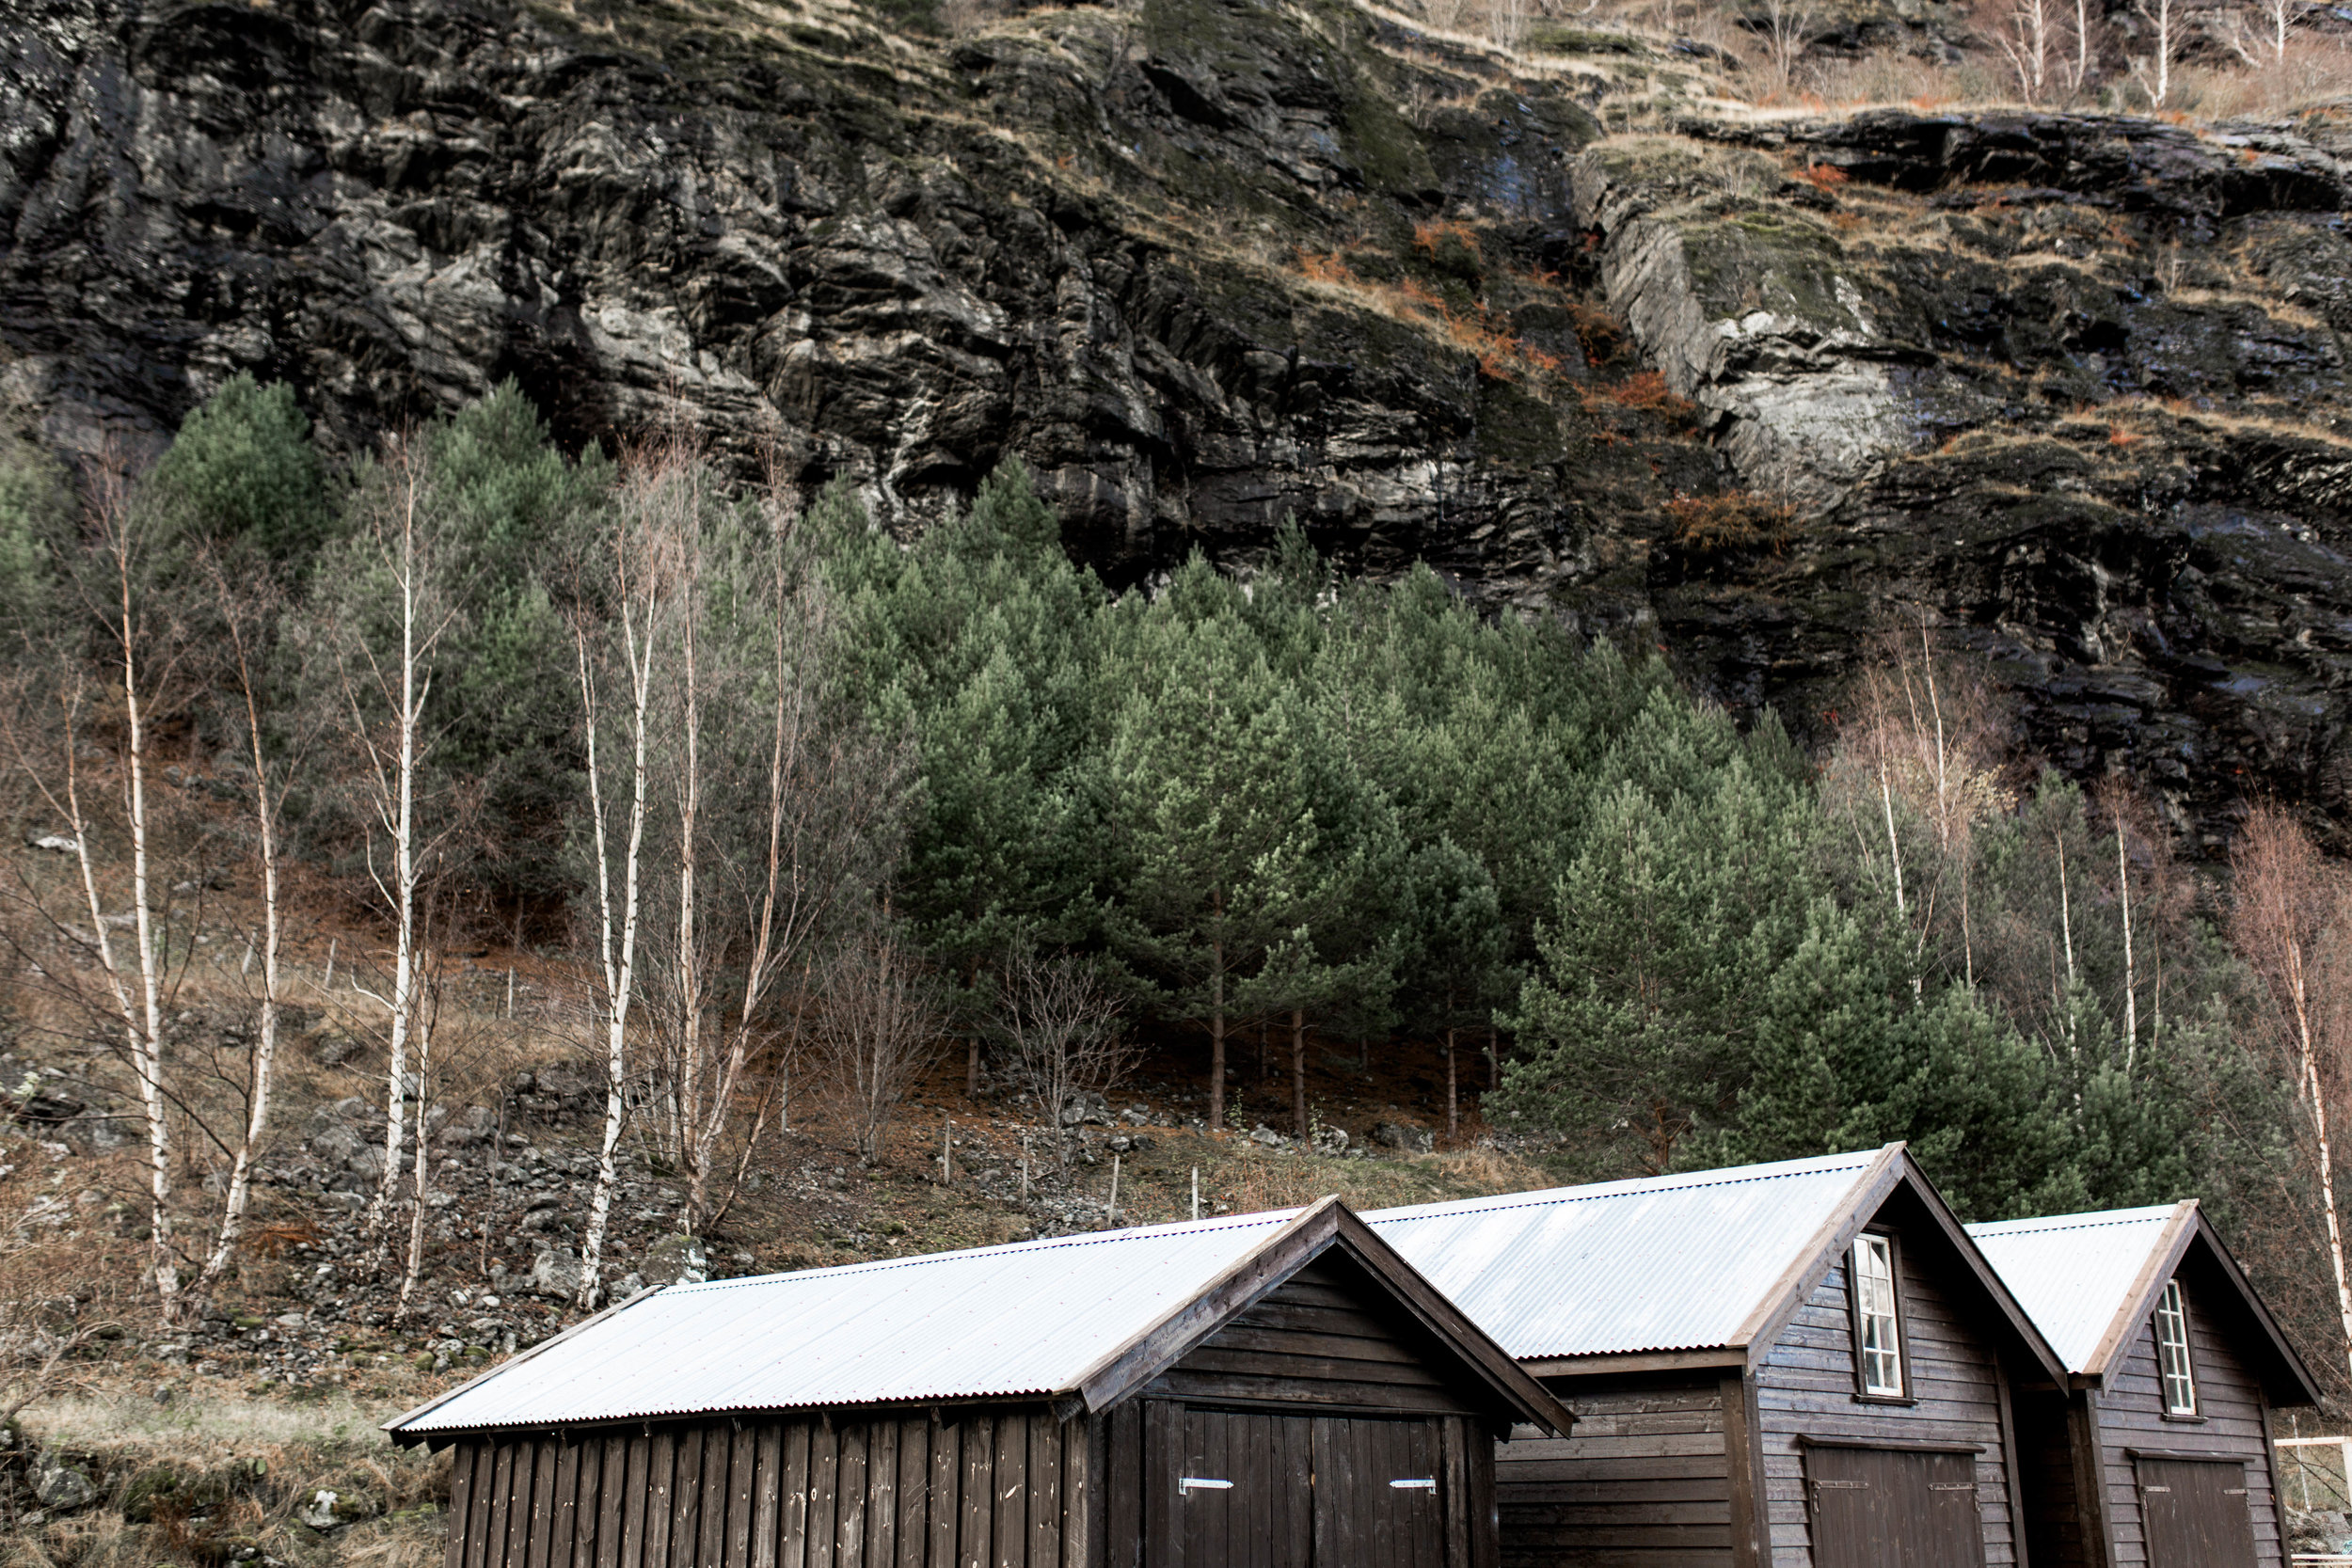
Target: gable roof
[
  {"x": 1710, "y": 1261},
  {"x": 1092, "y": 1316},
  {"x": 2090, "y": 1280}
]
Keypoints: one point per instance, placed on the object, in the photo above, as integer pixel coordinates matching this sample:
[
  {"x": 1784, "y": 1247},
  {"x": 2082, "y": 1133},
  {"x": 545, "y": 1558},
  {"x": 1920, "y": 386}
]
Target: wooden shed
[
  {"x": 1801, "y": 1365},
  {"x": 1276, "y": 1390},
  {"x": 2156, "y": 1452}
]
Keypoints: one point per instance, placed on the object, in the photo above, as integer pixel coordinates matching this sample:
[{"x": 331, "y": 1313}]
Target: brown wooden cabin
[
  {"x": 1268, "y": 1389},
  {"x": 2156, "y": 1451},
  {"x": 1804, "y": 1363}
]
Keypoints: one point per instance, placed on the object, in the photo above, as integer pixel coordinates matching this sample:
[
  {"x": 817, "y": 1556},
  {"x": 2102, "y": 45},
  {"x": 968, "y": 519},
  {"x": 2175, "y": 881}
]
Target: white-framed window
[
  {"x": 1878, "y": 1327},
  {"x": 2180, "y": 1382}
]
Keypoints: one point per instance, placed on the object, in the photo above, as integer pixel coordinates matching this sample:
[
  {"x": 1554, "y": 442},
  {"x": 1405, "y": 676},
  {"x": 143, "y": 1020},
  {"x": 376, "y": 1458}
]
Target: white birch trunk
[
  {"x": 422, "y": 1176},
  {"x": 616, "y": 959},
  {"x": 141, "y": 1012},
  {"x": 2130, "y": 978},
  {"x": 2312, "y": 1086},
  {"x": 266, "y": 1049},
  {"x": 400, "y": 820}
]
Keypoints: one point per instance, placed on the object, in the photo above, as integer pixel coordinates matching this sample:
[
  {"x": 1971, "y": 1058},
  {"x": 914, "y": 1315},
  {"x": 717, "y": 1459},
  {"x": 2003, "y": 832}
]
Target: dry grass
[
  {"x": 258, "y": 1462},
  {"x": 1644, "y": 391},
  {"x": 204, "y": 1428},
  {"x": 1736, "y": 521},
  {"x": 1502, "y": 356}
]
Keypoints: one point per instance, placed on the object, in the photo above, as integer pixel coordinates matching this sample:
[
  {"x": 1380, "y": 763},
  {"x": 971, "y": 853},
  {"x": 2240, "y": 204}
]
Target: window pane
[
  {"x": 1874, "y": 1308},
  {"x": 2180, "y": 1386}
]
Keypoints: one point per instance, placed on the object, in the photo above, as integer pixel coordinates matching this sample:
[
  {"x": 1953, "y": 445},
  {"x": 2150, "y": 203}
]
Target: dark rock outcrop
[{"x": 2070, "y": 388}]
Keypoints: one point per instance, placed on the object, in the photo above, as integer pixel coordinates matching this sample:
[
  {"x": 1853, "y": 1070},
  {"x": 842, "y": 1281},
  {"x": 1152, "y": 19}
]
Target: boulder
[
  {"x": 61, "y": 1486},
  {"x": 674, "y": 1260},
  {"x": 555, "y": 1272},
  {"x": 1404, "y": 1139},
  {"x": 1085, "y": 1109},
  {"x": 340, "y": 1145}
]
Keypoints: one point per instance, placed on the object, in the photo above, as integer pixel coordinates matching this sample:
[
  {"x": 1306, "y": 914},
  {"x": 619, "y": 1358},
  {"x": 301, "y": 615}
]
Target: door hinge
[
  {"x": 1952, "y": 1486},
  {"x": 1427, "y": 1484},
  {"x": 1186, "y": 1485}
]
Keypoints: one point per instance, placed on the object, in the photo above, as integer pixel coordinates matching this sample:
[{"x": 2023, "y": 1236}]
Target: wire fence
[{"x": 2315, "y": 1486}]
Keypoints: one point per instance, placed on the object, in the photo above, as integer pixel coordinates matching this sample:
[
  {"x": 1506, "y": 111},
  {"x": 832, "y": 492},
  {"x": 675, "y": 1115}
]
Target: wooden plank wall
[
  {"x": 1319, "y": 1338},
  {"x": 1806, "y": 1387},
  {"x": 1143, "y": 1442},
  {"x": 1643, "y": 1481},
  {"x": 2131, "y": 1416},
  {"x": 981, "y": 1491}
]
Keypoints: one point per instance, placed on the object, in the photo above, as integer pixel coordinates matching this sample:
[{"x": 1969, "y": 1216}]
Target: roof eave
[
  {"x": 1756, "y": 1333},
  {"x": 1620, "y": 1363},
  {"x": 2296, "y": 1383},
  {"x": 397, "y": 1427},
  {"x": 1893, "y": 1168}
]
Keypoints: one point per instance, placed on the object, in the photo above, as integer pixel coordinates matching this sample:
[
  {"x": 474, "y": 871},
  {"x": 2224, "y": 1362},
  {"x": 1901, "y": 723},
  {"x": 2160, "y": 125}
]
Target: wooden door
[
  {"x": 1234, "y": 1487},
  {"x": 1379, "y": 1491},
  {"x": 1242, "y": 1489},
  {"x": 2195, "y": 1514},
  {"x": 1893, "y": 1507}
]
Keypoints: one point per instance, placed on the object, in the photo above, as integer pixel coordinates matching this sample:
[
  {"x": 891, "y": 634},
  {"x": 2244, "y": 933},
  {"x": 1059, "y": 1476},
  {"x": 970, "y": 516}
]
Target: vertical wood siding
[
  {"x": 1806, "y": 1387},
  {"x": 1644, "y": 1479},
  {"x": 1320, "y": 1338},
  {"x": 1002, "y": 1490},
  {"x": 2228, "y": 1397},
  {"x": 1330, "y": 1476}
]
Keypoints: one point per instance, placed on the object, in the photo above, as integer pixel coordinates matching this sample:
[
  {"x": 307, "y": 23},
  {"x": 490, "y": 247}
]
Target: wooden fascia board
[
  {"x": 2140, "y": 1300},
  {"x": 1636, "y": 1361},
  {"x": 1168, "y": 1338},
  {"x": 1754, "y": 1337},
  {"x": 1988, "y": 1279},
  {"x": 1452, "y": 1328},
  {"x": 397, "y": 1426}
]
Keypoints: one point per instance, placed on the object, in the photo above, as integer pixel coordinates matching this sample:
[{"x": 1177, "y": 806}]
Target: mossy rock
[{"x": 172, "y": 1492}]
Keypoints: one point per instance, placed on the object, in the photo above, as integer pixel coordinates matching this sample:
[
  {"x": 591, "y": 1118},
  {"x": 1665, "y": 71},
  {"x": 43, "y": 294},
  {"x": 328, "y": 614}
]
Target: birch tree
[
  {"x": 2290, "y": 916},
  {"x": 245, "y": 611},
  {"x": 643, "y": 590},
  {"x": 371, "y": 644},
  {"x": 2153, "y": 70},
  {"x": 135, "y": 654}
]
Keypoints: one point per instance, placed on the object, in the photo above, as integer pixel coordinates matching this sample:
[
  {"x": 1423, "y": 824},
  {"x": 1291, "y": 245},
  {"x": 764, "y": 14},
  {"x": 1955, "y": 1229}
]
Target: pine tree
[{"x": 1210, "y": 816}]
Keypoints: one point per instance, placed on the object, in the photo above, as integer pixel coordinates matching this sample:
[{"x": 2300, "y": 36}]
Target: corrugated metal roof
[
  {"x": 1666, "y": 1262},
  {"x": 1025, "y": 1320},
  {"x": 2072, "y": 1272}
]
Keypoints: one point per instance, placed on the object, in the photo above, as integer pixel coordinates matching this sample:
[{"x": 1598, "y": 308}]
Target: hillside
[
  {"x": 211, "y": 1441},
  {"x": 1570, "y": 323}
]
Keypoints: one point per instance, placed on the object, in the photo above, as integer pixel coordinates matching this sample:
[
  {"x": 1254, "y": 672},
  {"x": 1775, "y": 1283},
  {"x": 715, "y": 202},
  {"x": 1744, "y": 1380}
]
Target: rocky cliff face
[{"x": 1738, "y": 389}]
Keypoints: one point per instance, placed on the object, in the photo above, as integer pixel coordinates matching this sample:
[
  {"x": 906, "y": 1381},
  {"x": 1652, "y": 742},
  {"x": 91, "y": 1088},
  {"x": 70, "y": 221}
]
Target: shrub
[
  {"x": 243, "y": 468},
  {"x": 1735, "y": 520}
]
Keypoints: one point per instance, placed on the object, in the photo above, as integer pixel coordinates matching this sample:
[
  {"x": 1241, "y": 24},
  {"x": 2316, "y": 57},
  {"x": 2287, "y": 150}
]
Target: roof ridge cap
[
  {"x": 1039, "y": 1244},
  {"x": 2154, "y": 1213},
  {"x": 1590, "y": 1192}
]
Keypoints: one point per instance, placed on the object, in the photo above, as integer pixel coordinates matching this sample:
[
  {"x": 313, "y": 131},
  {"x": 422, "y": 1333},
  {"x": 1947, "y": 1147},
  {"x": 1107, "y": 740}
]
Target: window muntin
[
  {"x": 1878, "y": 1324},
  {"x": 2180, "y": 1382}
]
